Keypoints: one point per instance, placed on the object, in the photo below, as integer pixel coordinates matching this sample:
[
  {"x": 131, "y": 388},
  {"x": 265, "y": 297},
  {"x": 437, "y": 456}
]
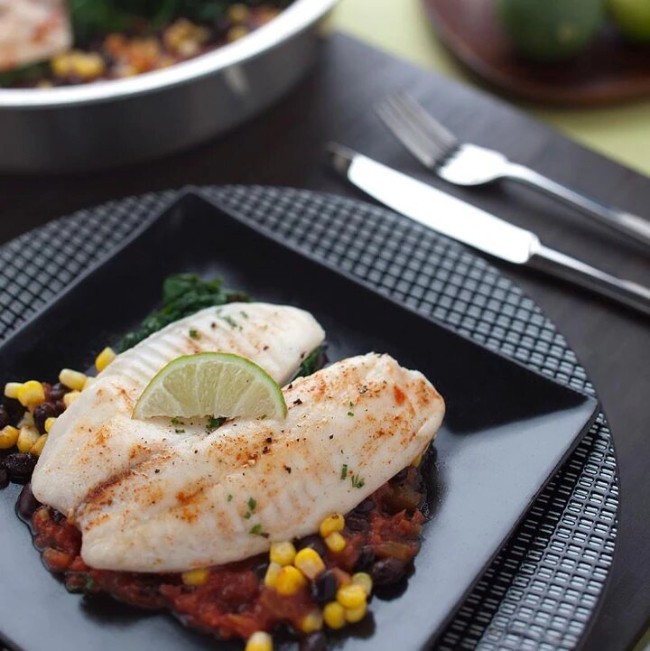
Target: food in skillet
[
  {"x": 32, "y": 30},
  {"x": 46, "y": 43},
  {"x": 243, "y": 525}
]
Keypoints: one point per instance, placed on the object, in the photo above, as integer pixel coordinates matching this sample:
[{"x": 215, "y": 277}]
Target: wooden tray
[{"x": 609, "y": 71}]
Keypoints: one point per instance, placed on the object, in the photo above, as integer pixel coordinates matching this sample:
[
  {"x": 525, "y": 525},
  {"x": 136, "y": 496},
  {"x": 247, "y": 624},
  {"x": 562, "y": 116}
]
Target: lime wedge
[{"x": 211, "y": 384}]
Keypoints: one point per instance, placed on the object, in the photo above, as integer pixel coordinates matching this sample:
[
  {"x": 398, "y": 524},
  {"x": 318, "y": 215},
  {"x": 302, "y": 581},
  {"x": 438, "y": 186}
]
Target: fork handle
[
  {"x": 563, "y": 266},
  {"x": 624, "y": 223}
]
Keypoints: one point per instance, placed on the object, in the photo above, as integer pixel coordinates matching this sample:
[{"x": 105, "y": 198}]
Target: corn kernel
[
  {"x": 309, "y": 562},
  {"x": 236, "y": 32},
  {"x": 334, "y": 615},
  {"x": 354, "y": 615},
  {"x": 351, "y": 595},
  {"x": 70, "y": 397},
  {"x": 271, "y": 576},
  {"x": 259, "y": 641},
  {"x": 30, "y": 393},
  {"x": 104, "y": 359},
  {"x": 312, "y": 622},
  {"x": 72, "y": 379},
  {"x": 37, "y": 448},
  {"x": 335, "y": 542},
  {"x": 88, "y": 65},
  {"x": 364, "y": 580},
  {"x": 196, "y": 577},
  {"x": 27, "y": 419},
  {"x": 27, "y": 436},
  {"x": 290, "y": 580},
  {"x": 238, "y": 13},
  {"x": 47, "y": 425},
  {"x": 282, "y": 553},
  {"x": 8, "y": 437},
  {"x": 11, "y": 389},
  {"x": 62, "y": 64},
  {"x": 331, "y": 524}
]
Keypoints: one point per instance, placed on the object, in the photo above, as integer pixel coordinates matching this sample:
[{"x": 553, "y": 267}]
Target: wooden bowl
[{"x": 608, "y": 71}]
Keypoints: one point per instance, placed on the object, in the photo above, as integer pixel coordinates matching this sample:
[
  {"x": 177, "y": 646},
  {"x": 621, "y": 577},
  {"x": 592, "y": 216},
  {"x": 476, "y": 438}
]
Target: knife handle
[
  {"x": 624, "y": 223},
  {"x": 558, "y": 264}
]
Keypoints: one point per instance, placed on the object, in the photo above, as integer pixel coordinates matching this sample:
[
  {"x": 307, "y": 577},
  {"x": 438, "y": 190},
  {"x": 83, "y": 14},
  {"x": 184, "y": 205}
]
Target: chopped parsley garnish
[
  {"x": 230, "y": 321},
  {"x": 229, "y": 498},
  {"x": 194, "y": 334},
  {"x": 252, "y": 504},
  {"x": 356, "y": 480},
  {"x": 213, "y": 423},
  {"x": 344, "y": 471},
  {"x": 244, "y": 314},
  {"x": 350, "y": 413},
  {"x": 175, "y": 421},
  {"x": 256, "y": 530}
]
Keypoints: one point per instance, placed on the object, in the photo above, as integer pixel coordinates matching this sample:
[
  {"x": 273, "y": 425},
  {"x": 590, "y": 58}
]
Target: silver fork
[{"x": 466, "y": 164}]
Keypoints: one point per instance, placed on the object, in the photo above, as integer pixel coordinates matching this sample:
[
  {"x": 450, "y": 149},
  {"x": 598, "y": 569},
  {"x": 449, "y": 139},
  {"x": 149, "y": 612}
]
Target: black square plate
[{"x": 506, "y": 430}]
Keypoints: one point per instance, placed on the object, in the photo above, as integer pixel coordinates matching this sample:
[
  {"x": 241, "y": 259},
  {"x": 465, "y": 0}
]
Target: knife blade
[{"x": 477, "y": 228}]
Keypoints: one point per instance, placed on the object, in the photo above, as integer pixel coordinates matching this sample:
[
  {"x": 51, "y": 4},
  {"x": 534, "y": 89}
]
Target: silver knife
[{"x": 477, "y": 228}]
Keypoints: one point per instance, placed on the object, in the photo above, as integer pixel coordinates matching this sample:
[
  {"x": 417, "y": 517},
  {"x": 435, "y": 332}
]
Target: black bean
[
  {"x": 357, "y": 523},
  {"x": 27, "y": 503},
  {"x": 44, "y": 411},
  {"x": 323, "y": 589},
  {"x": 400, "y": 476},
  {"x": 56, "y": 392},
  {"x": 4, "y": 416},
  {"x": 387, "y": 571},
  {"x": 365, "y": 507},
  {"x": 14, "y": 410},
  {"x": 20, "y": 466},
  {"x": 260, "y": 570},
  {"x": 313, "y": 642},
  {"x": 315, "y": 542},
  {"x": 365, "y": 560},
  {"x": 4, "y": 477}
]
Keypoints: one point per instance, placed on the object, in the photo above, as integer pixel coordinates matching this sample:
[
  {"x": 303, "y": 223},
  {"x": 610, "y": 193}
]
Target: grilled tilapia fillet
[
  {"x": 95, "y": 440},
  {"x": 32, "y": 30},
  {"x": 220, "y": 497}
]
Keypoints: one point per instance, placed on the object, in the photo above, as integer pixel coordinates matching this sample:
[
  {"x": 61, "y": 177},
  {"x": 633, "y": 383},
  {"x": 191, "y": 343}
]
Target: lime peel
[{"x": 211, "y": 384}]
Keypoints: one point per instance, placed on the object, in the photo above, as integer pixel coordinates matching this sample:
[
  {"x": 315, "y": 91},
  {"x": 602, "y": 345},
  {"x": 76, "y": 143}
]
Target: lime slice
[{"x": 211, "y": 384}]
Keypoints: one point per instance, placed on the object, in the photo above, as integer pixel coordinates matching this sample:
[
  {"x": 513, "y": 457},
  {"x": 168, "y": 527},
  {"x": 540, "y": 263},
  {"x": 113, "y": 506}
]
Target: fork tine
[
  {"x": 427, "y": 140},
  {"x": 427, "y": 122},
  {"x": 424, "y": 150}
]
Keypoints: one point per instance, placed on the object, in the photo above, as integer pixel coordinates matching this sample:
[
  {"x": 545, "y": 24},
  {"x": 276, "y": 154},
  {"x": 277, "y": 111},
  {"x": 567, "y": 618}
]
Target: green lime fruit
[
  {"x": 551, "y": 30},
  {"x": 211, "y": 384},
  {"x": 632, "y": 17}
]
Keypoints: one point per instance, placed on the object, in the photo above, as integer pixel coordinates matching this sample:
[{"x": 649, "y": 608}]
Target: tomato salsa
[{"x": 234, "y": 601}]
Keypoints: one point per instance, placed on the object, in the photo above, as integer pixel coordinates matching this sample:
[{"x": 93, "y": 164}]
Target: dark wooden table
[{"x": 285, "y": 147}]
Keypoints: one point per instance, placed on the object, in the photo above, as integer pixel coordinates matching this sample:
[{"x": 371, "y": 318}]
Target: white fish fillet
[
  {"x": 32, "y": 30},
  {"x": 95, "y": 440},
  {"x": 190, "y": 505}
]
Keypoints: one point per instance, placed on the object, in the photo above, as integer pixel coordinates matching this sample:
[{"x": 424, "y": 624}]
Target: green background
[{"x": 621, "y": 132}]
